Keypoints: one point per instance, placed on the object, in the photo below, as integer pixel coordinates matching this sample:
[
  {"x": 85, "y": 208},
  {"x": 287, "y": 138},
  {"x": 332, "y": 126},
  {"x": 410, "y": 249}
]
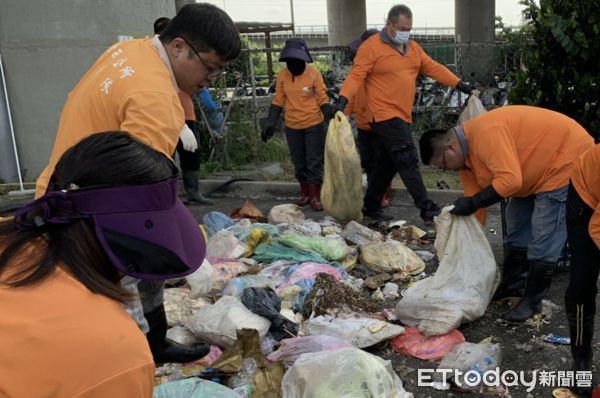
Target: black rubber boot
[
  {"x": 514, "y": 273},
  {"x": 190, "y": 183},
  {"x": 165, "y": 350},
  {"x": 538, "y": 284},
  {"x": 581, "y": 329}
]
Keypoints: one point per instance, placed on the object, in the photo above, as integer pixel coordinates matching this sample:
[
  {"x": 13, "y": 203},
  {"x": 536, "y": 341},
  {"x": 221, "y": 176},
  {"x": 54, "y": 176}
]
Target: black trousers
[
  {"x": 395, "y": 151},
  {"x": 306, "y": 148},
  {"x": 366, "y": 144},
  {"x": 190, "y": 161},
  {"x": 585, "y": 255}
]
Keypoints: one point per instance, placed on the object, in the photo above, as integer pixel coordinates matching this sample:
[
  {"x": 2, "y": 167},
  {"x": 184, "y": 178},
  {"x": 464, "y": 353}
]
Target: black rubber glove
[
  {"x": 328, "y": 112},
  {"x": 468, "y": 205},
  {"x": 466, "y": 88},
  {"x": 268, "y": 129},
  {"x": 429, "y": 211},
  {"x": 340, "y": 104}
]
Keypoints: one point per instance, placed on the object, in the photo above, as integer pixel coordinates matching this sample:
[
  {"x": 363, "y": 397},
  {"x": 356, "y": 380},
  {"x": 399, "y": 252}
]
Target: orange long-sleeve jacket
[
  {"x": 521, "y": 150},
  {"x": 359, "y": 107},
  {"x": 586, "y": 179},
  {"x": 390, "y": 77},
  {"x": 188, "y": 105},
  {"x": 301, "y": 97},
  {"x": 61, "y": 340},
  {"x": 129, "y": 88}
]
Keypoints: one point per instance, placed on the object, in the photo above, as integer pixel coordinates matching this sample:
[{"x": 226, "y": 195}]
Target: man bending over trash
[{"x": 527, "y": 154}]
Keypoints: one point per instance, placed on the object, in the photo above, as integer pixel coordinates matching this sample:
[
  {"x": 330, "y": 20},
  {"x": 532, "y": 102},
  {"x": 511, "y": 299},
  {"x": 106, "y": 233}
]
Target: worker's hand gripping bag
[{"x": 341, "y": 194}]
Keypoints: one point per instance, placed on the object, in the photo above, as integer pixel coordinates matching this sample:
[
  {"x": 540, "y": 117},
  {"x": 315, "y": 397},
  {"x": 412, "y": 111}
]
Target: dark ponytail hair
[{"x": 104, "y": 159}]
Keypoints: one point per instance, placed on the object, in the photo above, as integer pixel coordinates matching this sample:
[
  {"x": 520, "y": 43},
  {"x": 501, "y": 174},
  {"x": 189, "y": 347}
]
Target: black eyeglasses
[{"x": 213, "y": 73}]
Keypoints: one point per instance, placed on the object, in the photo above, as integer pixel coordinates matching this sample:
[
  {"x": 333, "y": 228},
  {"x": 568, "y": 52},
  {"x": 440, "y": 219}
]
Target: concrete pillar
[
  {"x": 346, "y": 20},
  {"x": 180, "y": 3},
  {"x": 475, "y": 34},
  {"x": 47, "y": 46}
]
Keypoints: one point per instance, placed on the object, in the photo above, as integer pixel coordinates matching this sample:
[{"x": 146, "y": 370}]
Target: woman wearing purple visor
[{"x": 111, "y": 211}]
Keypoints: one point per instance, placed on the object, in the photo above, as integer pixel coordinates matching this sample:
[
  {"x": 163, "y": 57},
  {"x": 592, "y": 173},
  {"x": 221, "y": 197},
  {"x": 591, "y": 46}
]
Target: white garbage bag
[{"x": 462, "y": 287}]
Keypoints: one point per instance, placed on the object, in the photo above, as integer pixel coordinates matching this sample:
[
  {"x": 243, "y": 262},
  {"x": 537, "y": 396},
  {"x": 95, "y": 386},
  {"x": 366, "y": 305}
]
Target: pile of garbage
[{"x": 288, "y": 304}]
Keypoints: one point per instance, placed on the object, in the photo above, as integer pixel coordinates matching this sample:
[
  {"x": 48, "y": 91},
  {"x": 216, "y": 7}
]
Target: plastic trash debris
[
  {"x": 223, "y": 272},
  {"x": 356, "y": 331},
  {"x": 193, "y": 388},
  {"x": 467, "y": 357},
  {"x": 390, "y": 290},
  {"x": 424, "y": 255},
  {"x": 287, "y": 213},
  {"x": 304, "y": 228},
  {"x": 360, "y": 235},
  {"x": 243, "y": 382},
  {"x": 236, "y": 286},
  {"x": 462, "y": 286},
  {"x": 200, "y": 280},
  {"x": 291, "y": 349},
  {"x": 556, "y": 339},
  {"x": 248, "y": 210},
  {"x": 413, "y": 343},
  {"x": 329, "y": 248},
  {"x": 391, "y": 257},
  {"x": 215, "y": 221},
  {"x": 272, "y": 251},
  {"x": 223, "y": 245},
  {"x": 264, "y": 302},
  {"x": 218, "y": 323},
  {"x": 347, "y": 372}
]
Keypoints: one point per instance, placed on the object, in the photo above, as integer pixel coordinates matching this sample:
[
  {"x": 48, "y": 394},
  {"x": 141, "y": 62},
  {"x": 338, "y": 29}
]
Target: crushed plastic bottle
[{"x": 243, "y": 382}]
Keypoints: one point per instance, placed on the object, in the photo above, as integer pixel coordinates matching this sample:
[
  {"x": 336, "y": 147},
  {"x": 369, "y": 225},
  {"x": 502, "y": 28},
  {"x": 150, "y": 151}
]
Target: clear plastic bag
[
  {"x": 474, "y": 108},
  {"x": 347, "y": 372},
  {"x": 291, "y": 349}
]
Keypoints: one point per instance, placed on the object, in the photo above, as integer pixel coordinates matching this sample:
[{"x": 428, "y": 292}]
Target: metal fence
[{"x": 435, "y": 104}]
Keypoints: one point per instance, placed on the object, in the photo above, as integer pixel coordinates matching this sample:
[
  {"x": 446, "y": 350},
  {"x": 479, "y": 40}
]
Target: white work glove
[{"x": 186, "y": 135}]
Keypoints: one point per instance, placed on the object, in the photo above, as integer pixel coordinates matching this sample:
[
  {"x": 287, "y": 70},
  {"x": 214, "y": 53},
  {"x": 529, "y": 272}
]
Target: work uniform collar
[
  {"x": 462, "y": 140},
  {"x": 386, "y": 39},
  {"x": 162, "y": 53}
]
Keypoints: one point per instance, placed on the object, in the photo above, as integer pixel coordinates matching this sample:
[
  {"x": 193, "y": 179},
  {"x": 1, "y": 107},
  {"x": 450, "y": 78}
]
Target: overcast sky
[{"x": 426, "y": 13}]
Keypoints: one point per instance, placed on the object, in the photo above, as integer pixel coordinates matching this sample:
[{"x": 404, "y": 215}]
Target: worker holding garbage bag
[
  {"x": 583, "y": 231},
  {"x": 301, "y": 92},
  {"x": 525, "y": 153},
  {"x": 387, "y": 64}
]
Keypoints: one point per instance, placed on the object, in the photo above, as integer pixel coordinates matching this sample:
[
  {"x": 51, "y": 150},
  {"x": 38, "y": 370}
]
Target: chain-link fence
[{"x": 247, "y": 90}]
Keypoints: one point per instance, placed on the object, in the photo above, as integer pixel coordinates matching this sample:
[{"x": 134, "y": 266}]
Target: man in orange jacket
[
  {"x": 527, "y": 154},
  {"x": 365, "y": 141},
  {"x": 388, "y": 64},
  {"x": 133, "y": 87},
  {"x": 583, "y": 231}
]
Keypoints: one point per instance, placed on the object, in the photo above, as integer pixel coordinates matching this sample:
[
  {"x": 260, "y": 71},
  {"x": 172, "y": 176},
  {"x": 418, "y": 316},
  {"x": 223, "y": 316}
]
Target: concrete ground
[{"x": 522, "y": 347}]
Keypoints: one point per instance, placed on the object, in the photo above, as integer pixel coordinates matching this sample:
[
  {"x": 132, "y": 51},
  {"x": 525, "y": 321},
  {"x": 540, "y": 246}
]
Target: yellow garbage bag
[{"x": 341, "y": 193}]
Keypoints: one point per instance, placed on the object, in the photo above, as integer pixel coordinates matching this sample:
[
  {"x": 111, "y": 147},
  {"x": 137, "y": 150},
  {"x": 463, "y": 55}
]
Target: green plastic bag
[
  {"x": 330, "y": 248},
  {"x": 341, "y": 193}
]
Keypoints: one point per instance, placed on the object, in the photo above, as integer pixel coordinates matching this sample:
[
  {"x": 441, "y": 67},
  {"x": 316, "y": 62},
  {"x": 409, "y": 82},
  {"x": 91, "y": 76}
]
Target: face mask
[
  {"x": 401, "y": 37},
  {"x": 296, "y": 66},
  {"x": 145, "y": 230}
]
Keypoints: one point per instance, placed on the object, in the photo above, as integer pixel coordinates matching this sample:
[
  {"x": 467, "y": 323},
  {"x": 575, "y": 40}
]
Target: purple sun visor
[{"x": 145, "y": 230}]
